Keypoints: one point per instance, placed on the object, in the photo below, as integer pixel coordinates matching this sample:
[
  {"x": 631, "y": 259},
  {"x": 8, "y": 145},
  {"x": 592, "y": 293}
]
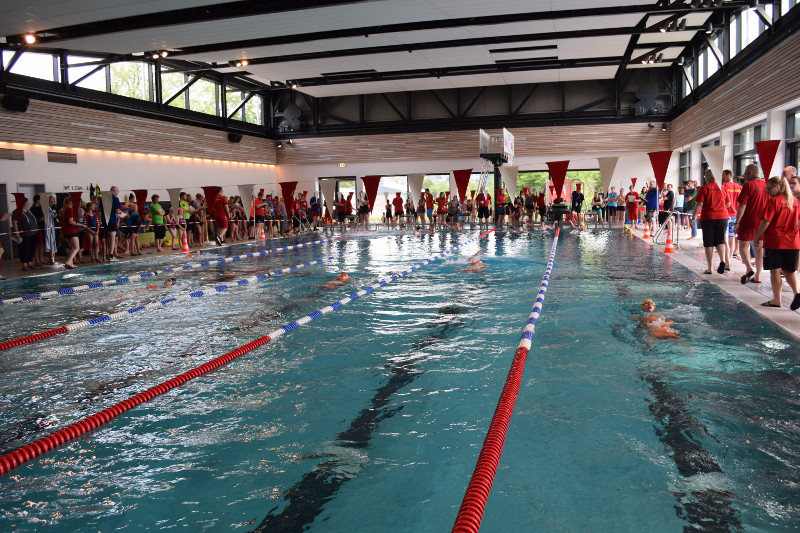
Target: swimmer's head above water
[
  {"x": 648, "y": 305},
  {"x": 343, "y": 277}
]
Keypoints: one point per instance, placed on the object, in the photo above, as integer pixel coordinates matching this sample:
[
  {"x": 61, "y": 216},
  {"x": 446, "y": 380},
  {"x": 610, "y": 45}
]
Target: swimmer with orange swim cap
[
  {"x": 342, "y": 278},
  {"x": 657, "y": 326},
  {"x": 475, "y": 263}
]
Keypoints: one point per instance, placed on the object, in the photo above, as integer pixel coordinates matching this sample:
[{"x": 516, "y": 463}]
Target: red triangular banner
[
  {"x": 141, "y": 197},
  {"x": 462, "y": 181},
  {"x": 371, "y": 188},
  {"x": 766, "y": 155},
  {"x": 287, "y": 190},
  {"x": 210, "y": 193},
  {"x": 660, "y": 164},
  {"x": 472, "y": 194},
  {"x": 19, "y": 199},
  {"x": 76, "y": 201},
  {"x": 633, "y": 181},
  {"x": 558, "y": 171}
]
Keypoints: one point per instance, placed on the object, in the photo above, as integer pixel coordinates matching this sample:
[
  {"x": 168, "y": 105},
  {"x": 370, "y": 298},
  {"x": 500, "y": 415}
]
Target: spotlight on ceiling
[
  {"x": 651, "y": 125},
  {"x": 663, "y": 28},
  {"x": 30, "y": 38},
  {"x": 659, "y": 58},
  {"x": 753, "y": 4},
  {"x": 681, "y": 61},
  {"x": 695, "y": 3},
  {"x": 682, "y": 25},
  {"x": 155, "y": 55},
  {"x": 294, "y": 85},
  {"x": 290, "y": 141},
  {"x": 664, "y": 127},
  {"x": 651, "y": 59},
  {"x": 163, "y": 53},
  {"x": 709, "y": 28},
  {"x": 279, "y": 145}
]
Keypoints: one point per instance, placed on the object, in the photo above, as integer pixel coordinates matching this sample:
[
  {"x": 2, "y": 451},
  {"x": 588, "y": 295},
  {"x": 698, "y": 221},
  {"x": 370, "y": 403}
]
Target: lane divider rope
[
  {"x": 26, "y": 453},
  {"x": 139, "y": 277},
  {"x": 480, "y": 484},
  {"x": 83, "y": 324}
]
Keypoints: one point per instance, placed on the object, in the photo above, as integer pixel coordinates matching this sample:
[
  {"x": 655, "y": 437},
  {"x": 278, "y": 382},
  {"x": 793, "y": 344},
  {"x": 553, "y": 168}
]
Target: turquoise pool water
[{"x": 371, "y": 418}]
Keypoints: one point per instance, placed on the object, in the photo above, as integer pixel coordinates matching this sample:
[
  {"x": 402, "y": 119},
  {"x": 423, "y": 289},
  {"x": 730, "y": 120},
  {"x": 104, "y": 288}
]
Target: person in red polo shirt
[
  {"x": 712, "y": 204},
  {"x": 779, "y": 227},
  {"x": 221, "y": 213},
  {"x": 734, "y": 190},
  {"x": 752, "y": 201}
]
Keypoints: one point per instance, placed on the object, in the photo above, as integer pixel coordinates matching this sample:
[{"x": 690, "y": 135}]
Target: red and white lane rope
[
  {"x": 146, "y": 275},
  {"x": 22, "y": 455},
  {"x": 480, "y": 485}
]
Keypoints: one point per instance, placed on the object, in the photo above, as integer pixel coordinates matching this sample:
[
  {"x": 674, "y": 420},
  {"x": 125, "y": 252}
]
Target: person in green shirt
[
  {"x": 689, "y": 203},
  {"x": 185, "y": 212},
  {"x": 157, "y": 212}
]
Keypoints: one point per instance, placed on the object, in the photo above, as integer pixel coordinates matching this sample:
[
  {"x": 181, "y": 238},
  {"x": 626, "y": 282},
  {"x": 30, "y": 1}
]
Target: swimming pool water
[{"x": 371, "y": 418}]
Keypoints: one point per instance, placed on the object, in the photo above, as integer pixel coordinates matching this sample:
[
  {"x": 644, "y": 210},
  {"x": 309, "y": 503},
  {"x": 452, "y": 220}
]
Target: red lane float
[{"x": 30, "y": 451}]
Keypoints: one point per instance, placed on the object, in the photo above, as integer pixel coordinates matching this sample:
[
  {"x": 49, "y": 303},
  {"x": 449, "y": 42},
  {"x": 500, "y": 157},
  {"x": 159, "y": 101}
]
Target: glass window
[
  {"x": 703, "y": 162},
  {"x": 96, "y": 81},
  {"x": 131, "y": 79},
  {"x": 203, "y": 97},
  {"x": 701, "y": 66},
  {"x": 793, "y": 125},
  {"x": 685, "y": 165},
  {"x": 32, "y": 64},
  {"x": 750, "y": 27},
  {"x": 253, "y": 110},
  {"x": 744, "y": 146},
  {"x": 234, "y": 97},
  {"x": 734, "y": 40},
  {"x": 171, "y": 82}
]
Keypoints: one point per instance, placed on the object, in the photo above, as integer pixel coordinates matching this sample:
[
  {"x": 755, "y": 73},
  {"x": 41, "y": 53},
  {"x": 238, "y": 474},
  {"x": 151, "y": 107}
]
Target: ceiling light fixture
[
  {"x": 30, "y": 38},
  {"x": 664, "y": 127},
  {"x": 651, "y": 125},
  {"x": 155, "y": 55},
  {"x": 681, "y": 61},
  {"x": 659, "y": 58},
  {"x": 163, "y": 53},
  {"x": 709, "y": 29},
  {"x": 682, "y": 25}
]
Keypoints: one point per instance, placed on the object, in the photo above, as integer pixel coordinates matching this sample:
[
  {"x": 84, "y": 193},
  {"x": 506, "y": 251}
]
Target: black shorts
[
  {"x": 259, "y": 219},
  {"x": 714, "y": 231},
  {"x": 159, "y": 231},
  {"x": 785, "y": 260},
  {"x": 663, "y": 216},
  {"x": 111, "y": 226},
  {"x": 483, "y": 211},
  {"x": 621, "y": 208},
  {"x": 363, "y": 210},
  {"x": 543, "y": 212}
]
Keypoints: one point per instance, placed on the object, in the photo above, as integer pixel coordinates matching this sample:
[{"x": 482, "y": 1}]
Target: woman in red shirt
[
  {"x": 781, "y": 245},
  {"x": 69, "y": 230},
  {"x": 714, "y": 219}
]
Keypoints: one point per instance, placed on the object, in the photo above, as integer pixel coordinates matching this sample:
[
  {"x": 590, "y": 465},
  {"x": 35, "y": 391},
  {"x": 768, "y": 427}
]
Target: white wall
[{"x": 131, "y": 171}]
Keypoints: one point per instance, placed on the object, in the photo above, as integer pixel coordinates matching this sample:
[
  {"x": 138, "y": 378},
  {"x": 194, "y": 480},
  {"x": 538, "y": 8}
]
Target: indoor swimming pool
[{"x": 371, "y": 418}]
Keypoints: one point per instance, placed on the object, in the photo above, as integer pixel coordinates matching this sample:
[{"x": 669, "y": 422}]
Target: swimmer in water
[
  {"x": 475, "y": 263},
  {"x": 417, "y": 231},
  {"x": 342, "y": 278},
  {"x": 657, "y": 326},
  {"x": 169, "y": 282}
]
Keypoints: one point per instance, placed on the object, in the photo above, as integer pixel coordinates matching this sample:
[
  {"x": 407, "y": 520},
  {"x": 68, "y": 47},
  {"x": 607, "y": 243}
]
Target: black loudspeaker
[
  {"x": 234, "y": 137},
  {"x": 16, "y": 103}
]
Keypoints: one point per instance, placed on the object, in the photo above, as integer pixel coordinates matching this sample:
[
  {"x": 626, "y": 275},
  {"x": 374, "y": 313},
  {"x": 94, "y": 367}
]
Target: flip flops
[
  {"x": 744, "y": 279},
  {"x": 770, "y": 304},
  {"x": 721, "y": 268},
  {"x": 795, "y": 305}
]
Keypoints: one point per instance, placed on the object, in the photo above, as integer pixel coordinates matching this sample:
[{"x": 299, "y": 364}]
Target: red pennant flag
[
  {"x": 462, "y": 181},
  {"x": 766, "y": 155},
  {"x": 141, "y": 197},
  {"x": 19, "y": 198},
  {"x": 633, "y": 182},
  {"x": 558, "y": 171},
  {"x": 76, "y": 201},
  {"x": 371, "y": 188},
  {"x": 447, "y": 195},
  {"x": 287, "y": 191},
  {"x": 210, "y": 193},
  {"x": 660, "y": 164},
  {"x": 472, "y": 194},
  {"x": 305, "y": 195}
]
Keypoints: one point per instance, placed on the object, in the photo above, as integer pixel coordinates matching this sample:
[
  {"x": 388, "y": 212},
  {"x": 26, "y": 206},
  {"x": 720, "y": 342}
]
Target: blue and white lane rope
[
  {"x": 366, "y": 290},
  {"x": 83, "y": 324},
  {"x": 139, "y": 277},
  {"x": 527, "y": 334}
]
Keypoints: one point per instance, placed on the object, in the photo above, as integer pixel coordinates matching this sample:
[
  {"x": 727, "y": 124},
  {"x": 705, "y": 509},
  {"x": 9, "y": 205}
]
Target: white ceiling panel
[
  {"x": 592, "y": 47},
  {"x": 650, "y": 65},
  {"x": 533, "y": 76},
  {"x": 668, "y": 37},
  {"x": 587, "y": 73},
  {"x": 591, "y": 23},
  {"x": 529, "y": 54}
]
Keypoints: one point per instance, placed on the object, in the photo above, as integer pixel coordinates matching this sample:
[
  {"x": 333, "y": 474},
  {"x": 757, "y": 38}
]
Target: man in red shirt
[
  {"x": 752, "y": 201},
  {"x": 483, "y": 200},
  {"x": 714, "y": 219},
  {"x": 221, "y": 218},
  {"x": 734, "y": 190},
  {"x": 632, "y": 205},
  {"x": 429, "y": 205},
  {"x": 397, "y": 202}
]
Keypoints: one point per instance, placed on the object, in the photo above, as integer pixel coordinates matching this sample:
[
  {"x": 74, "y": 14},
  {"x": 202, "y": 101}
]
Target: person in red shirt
[
  {"x": 541, "y": 205},
  {"x": 752, "y": 201},
  {"x": 632, "y": 205},
  {"x": 713, "y": 203},
  {"x": 483, "y": 200},
  {"x": 340, "y": 209},
  {"x": 69, "y": 231},
  {"x": 441, "y": 208},
  {"x": 258, "y": 214},
  {"x": 397, "y": 202},
  {"x": 428, "y": 205},
  {"x": 221, "y": 217},
  {"x": 734, "y": 190},
  {"x": 779, "y": 227}
]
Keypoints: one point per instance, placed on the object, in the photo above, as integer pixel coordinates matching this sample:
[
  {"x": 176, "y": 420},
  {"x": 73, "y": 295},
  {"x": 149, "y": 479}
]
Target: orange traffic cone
[
  {"x": 185, "y": 245},
  {"x": 263, "y": 236},
  {"x": 646, "y": 231},
  {"x": 668, "y": 249}
]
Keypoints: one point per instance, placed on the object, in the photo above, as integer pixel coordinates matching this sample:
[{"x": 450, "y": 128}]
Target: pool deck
[{"x": 691, "y": 254}]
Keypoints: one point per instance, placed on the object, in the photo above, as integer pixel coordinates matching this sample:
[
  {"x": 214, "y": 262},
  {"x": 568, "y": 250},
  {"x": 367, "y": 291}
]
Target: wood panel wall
[
  {"x": 769, "y": 83},
  {"x": 52, "y": 124},
  {"x": 612, "y": 138}
]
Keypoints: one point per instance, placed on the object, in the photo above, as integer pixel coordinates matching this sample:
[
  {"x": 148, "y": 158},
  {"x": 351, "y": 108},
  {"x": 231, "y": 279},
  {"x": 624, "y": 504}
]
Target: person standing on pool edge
[
  {"x": 779, "y": 227},
  {"x": 752, "y": 201},
  {"x": 712, "y": 204}
]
